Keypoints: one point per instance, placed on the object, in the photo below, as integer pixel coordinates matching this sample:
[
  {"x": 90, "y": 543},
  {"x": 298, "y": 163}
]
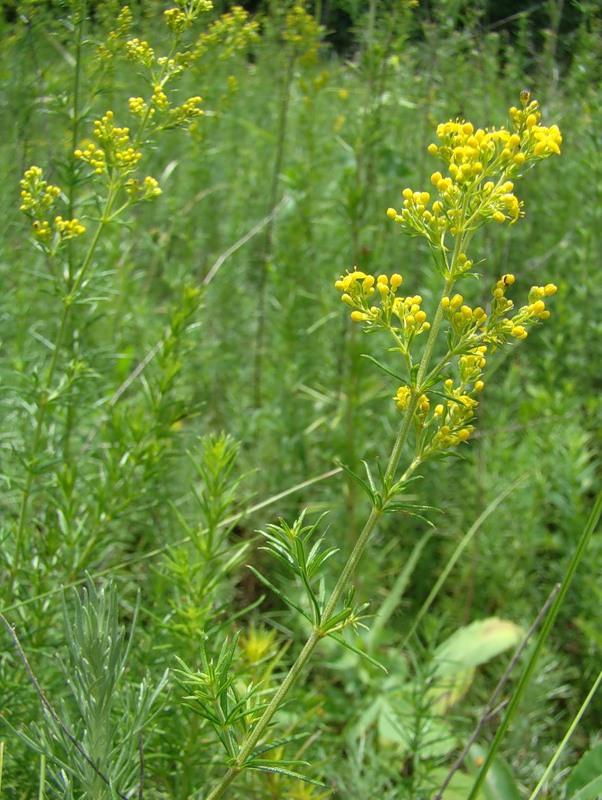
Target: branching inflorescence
[{"x": 481, "y": 166}]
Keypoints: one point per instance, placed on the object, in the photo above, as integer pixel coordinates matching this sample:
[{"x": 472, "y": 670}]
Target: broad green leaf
[
  {"x": 459, "y": 786},
  {"x": 456, "y": 659},
  {"x": 449, "y": 689},
  {"x": 476, "y": 644},
  {"x": 593, "y": 791},
  {"x": 499, "y": 783},
  {"x": 586, "y": 776}
]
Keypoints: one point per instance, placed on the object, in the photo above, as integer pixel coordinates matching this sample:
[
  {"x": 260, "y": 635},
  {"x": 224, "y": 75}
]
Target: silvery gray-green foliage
[{"x": 107, "y": 713}]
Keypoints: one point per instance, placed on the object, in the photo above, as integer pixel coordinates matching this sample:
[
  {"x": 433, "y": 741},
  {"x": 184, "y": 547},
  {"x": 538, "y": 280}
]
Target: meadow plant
[
  {"x": 301, "y": 39},
  {"x": 440, "y": 379},
  {"x": 107, "y": 170},
  {"x": 96, "y": 452}
]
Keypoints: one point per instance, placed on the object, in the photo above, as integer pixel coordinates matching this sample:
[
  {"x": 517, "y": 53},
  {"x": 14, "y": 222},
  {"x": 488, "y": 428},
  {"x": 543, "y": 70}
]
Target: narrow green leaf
[
  {"x": 384, "y": 368},
  {"x": 277, "y": 592},
  {"x": 289, "y": 774},
  {"x": 360, "y": 482},
  {"x": 358, "y": 651}
]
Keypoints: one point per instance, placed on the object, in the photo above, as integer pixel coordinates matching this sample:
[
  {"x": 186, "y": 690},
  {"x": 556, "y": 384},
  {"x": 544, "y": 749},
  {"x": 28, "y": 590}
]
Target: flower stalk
[{"x": 476, "y": 190}]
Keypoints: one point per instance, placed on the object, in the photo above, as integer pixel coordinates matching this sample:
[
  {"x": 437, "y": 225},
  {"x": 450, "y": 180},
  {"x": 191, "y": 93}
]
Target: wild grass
[{"x": 204, "y": 384}]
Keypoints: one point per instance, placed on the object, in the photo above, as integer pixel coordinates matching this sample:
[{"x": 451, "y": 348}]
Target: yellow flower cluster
[
  {"x": 42, "y": 230},
  {"x": 68, "y": 228},
  {"x": 183, "y": 115},
  {"x": 37, "y": 196},
  {"x": 403, "y": 397},
  {"x": 139, "y": 107},
  {"x": 464, "y": 319},
  {"x": 63, "y": 229},
  {"x": 479, "y": 164},
  {"x": 94, "y": 156},
  {"x": 471, "y": 366},
  {"x": 303, "y": 31},
  {"x": 177, "y": 20},
  {"x": 159, "y": 99},
  {"x": 115, "y": 38},
  {"x": 500, "y": 326},
  {"x": 191, "y": 108},
  {"x": 231, "y": 32},
  {"x": 454, "y": 418},
  {"x": 114, "y": 150},
  {"x": 140, "y": 52},
  {"x": 540, "y": 140},
  {"x": 148, "y": 189},
  {"x": 403, "y": 315}
]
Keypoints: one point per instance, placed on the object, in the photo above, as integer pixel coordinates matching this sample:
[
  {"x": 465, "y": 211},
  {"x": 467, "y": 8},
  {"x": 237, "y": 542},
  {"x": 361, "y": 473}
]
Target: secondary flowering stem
[{"x": 44, "y": 400}]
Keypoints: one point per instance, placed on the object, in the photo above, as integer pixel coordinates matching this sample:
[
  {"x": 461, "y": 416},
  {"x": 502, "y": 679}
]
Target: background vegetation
[{"x": 209, "y": 384}]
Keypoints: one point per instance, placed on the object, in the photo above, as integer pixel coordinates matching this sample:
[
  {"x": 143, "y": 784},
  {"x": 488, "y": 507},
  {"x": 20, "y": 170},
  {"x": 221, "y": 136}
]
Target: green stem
[
  {"x": 43, "y": 401},
  {"x": 268, "y": 246},
  {"x": 267, "y": 715},
  {"x": 71, "y": 201},
  {"x": 567, "y": 737},
  {"x": 433, "y": 334},
  {"x": 525, "y": 677},
  {"x": 375, "y": 514}
]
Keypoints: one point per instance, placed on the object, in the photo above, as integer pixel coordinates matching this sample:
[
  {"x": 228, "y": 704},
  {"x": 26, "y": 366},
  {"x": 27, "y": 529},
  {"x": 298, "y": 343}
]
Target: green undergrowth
[{"x": 190, "y": 380}]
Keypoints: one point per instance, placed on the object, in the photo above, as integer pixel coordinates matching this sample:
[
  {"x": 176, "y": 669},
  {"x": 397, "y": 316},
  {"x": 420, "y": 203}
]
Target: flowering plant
[{"x": 437, "y": 401}]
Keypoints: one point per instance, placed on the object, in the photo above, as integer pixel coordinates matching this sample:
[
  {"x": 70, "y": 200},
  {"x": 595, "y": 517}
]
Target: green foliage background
[{"x": 311, "y": 152}]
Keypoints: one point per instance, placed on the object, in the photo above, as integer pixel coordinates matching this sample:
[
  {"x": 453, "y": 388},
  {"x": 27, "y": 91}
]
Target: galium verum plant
[
  {"x": 70, "y": 226},
  {"x": 437, "y": 398}
]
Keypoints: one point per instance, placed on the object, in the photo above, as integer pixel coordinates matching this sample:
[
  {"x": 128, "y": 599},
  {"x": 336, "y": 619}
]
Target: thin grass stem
[{"x": 527, "y": 673}]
